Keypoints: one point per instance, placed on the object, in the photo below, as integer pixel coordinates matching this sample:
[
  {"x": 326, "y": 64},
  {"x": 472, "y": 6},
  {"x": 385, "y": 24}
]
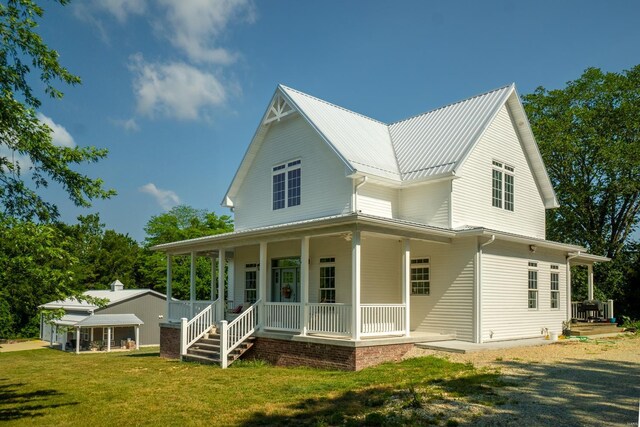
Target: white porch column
[
  {"x": 213, "y": 279},
  {"x": 569, "y": 305},
  {"x": 590, "y": 282},
  {"x": 221, "y": 297},
  {"x": 231, "y": 279},
  {"x": 109, "y": 339},
  {"x": 192, "y": 282},
  {"x": 355, "y": 285},
  {"x": 406, "y": 284},
  {"x": 77, "y": 340},
  {"x": 91, "y": 334},
  {"x": 137, "y": 337},
  {"x": 304, "y": 285},
  {"x": 262, "y": 282},
  {"x": 51, "y": 334},
  {"x": 169, "y": 283}
]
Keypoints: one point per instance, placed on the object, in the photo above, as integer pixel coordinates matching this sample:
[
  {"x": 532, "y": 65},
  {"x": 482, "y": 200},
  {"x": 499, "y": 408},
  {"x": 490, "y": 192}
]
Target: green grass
[{"x": 49, "y": 387}]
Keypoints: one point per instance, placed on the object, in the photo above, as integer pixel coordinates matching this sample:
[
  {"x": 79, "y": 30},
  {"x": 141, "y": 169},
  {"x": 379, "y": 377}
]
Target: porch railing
[
  {"x": 192, "y": 330},
  {"x": 607, "y": 312},
  {"x": 282, "y": 316},
  {"x": 382, "y": 319},
  {"x": 180, "y": 308},
  {"x": 334, "y": 319},
  {"x": 232, "y": 334}
]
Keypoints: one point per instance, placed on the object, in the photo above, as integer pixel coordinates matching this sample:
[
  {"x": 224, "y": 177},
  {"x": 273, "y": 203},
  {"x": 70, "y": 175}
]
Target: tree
[
  {"x": 180, "y": 223},
  {"x": 589, "y": 137},
  {"x": 22, "y": 53}
]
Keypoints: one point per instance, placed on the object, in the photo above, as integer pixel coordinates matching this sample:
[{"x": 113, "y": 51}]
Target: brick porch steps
[
  {"x": 585, "y": 329},
  {"x": 207, "y": 350}
]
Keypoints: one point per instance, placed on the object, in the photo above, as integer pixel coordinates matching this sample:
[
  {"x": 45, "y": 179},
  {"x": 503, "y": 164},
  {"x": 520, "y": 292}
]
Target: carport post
[
  {"x": 137, "y": 337},
  {"x": 77, "y": 339},
  {"x": 108, "y": 339}
]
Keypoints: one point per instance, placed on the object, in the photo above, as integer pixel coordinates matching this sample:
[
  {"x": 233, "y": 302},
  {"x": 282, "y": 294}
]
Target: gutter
[
  {"x": 355, "y": 193},
  {"x": 477, "y": 294}
]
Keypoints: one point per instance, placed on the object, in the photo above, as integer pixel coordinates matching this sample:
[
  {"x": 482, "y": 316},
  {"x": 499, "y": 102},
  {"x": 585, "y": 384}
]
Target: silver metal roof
[
  {"x": 98, "y": 320},
  {"x": 112, "y": 297}
]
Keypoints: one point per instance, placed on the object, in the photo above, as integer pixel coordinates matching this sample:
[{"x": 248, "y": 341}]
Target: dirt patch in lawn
[{"x": 569, "y": 383}]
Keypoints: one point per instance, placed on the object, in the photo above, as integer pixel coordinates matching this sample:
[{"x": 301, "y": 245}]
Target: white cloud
[
  {"x": 165, "y": 198},
  {"x": 197, "y": 25},
  {"x": 130, "y": 125},
  {"x": 60, "y": 136},
  {"x": 120, "y": 9},
  {"x": 20, "y": 162},
  {"x": 174, "y": 89}
]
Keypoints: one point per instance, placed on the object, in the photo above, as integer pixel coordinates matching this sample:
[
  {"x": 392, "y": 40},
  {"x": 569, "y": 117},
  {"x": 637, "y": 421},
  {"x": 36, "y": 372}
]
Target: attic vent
[{"x": 278, "y": 109}]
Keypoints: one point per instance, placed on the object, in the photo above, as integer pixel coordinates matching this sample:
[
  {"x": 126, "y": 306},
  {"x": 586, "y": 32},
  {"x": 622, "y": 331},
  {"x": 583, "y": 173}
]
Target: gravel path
[{"x": 569, "y": 383}]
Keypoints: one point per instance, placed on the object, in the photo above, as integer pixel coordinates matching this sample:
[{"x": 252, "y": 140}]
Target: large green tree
[
  {"x": 23, "y": 57},
  {"x": 589, "y": 137}
]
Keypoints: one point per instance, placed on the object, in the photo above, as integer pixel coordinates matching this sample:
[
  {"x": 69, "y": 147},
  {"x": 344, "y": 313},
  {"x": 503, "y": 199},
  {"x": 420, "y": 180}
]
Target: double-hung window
[
  {"x": 250, "y": 283},
  {"x": 327, "y": 280},
  {"x": 555, "y": 287},
  {"x": 502, "y": 186},
  {"x": 533, "y": 285},
  {"x": 420, "y": 276},
  {"x": 286, "y": 184}
]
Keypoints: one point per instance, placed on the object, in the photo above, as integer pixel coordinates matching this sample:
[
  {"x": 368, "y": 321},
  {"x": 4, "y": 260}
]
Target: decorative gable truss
[{"x": 278, "y": 109}]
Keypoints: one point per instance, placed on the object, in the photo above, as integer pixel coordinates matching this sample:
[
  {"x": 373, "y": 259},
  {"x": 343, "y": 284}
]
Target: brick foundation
[
  {"x": 296, "y": 353},
  {"x": 170, "y": 341}
]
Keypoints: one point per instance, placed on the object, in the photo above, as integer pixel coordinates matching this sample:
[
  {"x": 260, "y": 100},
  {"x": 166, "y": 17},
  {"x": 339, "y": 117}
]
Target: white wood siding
[
  {"x": 426, "y": 204},
  {"x": 381, "y": 280},
  {"x": 334, "y": 247},
  {"x": 505, "y": 310},
  {"x": 241, "y": 257},
  {"x": 471, "y": 194},
  {"x": 449, "y": 307},
  {"x": 325, "y": 189},
  {"x": 378, "y": 200}
]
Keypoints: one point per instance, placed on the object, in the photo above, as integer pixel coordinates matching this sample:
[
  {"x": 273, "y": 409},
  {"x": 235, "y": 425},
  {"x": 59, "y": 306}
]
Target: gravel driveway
[{"x": 569, "y": 383}]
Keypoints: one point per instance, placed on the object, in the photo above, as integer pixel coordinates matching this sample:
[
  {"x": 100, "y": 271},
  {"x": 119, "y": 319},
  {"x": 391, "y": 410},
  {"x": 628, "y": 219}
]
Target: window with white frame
[
  {"x": 250, "y": 283},
  {"x": 555, "y": 287},
  {"x": 286, "y": 184},
  {"x": 502, "y": 184},
  {"x": 420, "y": 276},
  {"x": 533, "y": 285},
  {"x": 328, "y": 280}
]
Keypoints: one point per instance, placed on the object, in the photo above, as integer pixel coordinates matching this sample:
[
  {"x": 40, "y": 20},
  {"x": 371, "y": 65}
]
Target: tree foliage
[{"x": 22, "y": 53}]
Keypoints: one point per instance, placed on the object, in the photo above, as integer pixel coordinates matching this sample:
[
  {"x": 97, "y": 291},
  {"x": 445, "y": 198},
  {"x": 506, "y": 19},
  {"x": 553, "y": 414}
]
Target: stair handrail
[
  {"x": 194, "y": 329},
  {"x": 232, "y": 334}
]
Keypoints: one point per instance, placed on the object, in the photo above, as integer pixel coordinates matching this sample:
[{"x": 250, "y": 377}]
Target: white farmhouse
[{"x": 355, "y": 239}]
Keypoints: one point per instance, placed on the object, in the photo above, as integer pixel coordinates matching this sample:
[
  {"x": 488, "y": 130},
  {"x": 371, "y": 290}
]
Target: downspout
[
  {"x": 569, "y": 305},
  {"x": 355, "y": 193},
  {"x": 478, "y": 291}
]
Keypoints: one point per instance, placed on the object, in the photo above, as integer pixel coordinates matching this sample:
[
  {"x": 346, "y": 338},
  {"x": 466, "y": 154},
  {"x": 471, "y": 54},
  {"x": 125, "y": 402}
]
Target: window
[
  {"x": 250, "y": 282},
  {"x": 286, "y": 181},
  {"x": 555, "y": 287},
  {"x": 533, "y": 285},
  {"x": 420, "y": 277},
  {"x": 327, "y": 280},
  {"x": 502, "y": 184}
]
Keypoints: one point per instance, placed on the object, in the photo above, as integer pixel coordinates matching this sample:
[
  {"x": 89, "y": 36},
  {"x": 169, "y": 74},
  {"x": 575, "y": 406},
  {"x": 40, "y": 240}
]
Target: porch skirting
[{"x": 170, "y": 340}]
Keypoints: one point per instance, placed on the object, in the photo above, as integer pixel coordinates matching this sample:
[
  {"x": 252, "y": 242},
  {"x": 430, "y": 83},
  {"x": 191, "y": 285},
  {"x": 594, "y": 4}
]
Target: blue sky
[{"x": 176, "y": 89}]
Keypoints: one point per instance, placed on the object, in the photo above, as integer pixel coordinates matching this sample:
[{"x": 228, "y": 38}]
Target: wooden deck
[{"x": 585, "y": 328}]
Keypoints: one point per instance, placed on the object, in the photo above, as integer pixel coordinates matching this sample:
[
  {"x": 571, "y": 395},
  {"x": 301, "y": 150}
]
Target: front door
[{"x": 285, "y": 284}]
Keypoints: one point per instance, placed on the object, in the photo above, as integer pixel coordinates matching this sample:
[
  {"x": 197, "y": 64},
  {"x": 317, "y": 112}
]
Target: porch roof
[
  {"x": 582, "y": 258},
  {"x": 98, "y": 320}
]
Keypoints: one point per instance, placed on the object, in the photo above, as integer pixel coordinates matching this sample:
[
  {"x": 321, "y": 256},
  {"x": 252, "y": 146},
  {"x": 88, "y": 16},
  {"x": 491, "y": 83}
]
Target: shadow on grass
[
  {"x": 153, "y": 354},
  {"x": 17, "y": 403}
]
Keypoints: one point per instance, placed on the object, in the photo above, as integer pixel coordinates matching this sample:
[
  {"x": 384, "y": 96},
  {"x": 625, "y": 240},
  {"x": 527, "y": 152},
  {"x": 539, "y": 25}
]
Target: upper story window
[
  {"x": 502, "y": 183},
  {"x": 286, "y": 184}
]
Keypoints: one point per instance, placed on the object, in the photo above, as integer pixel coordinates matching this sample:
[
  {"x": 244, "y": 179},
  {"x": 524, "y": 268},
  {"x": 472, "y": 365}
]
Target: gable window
[
  {"x": 533, "y": 285},
  {"x": 286, "y": 184},
  {"x": 555, "y": 287},
  {"x": 327, "y": 280},
  {"x": 502, "y": 186},
  {"x": 250, "y": 282},
  {"x": 420, "y": 276}
]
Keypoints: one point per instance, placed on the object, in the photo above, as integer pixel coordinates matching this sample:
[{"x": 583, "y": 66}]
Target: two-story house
[{"x": 355, "y": 239}]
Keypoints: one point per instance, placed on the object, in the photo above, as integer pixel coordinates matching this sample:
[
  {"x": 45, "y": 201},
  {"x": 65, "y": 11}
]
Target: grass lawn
[{"x": 49, "y": 387}]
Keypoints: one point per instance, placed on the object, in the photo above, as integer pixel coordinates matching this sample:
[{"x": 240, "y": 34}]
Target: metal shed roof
[{"x": 98, "y": 320}]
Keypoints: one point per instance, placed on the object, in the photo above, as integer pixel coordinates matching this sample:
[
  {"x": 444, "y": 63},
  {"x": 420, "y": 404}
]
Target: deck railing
[
  {"x": 333, "y": 319},
  {"x": 282, "y": 316},
  {"x": 192, "y": 330},
  {"x": 232, "y": 334},
  {"x": 180, "y": 308},
  {"x": 607, "y": 312},
  {"x": 382, "y": 319}
]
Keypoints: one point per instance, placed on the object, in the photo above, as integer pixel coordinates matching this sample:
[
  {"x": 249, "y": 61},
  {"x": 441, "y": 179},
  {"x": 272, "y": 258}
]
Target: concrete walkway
[
  {"x": 24, "y": 345},
  {"x": 455, "y": 346}
]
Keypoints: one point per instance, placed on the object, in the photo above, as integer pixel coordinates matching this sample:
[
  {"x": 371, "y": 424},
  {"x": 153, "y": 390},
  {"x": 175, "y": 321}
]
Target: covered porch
[
  {"x": 95, "y": 332},
  {"x": 591, "y": 309}
]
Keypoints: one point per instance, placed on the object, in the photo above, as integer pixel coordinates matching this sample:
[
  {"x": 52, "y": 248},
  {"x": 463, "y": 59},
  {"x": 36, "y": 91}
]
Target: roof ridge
[
  {"x": 451, "y": 104},
  {"x": 333, "y": 105}
]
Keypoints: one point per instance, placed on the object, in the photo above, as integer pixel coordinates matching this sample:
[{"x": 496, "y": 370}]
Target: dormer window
[
  {"x": 502, "y": 186},
  {"x": 286, "y": 179}
]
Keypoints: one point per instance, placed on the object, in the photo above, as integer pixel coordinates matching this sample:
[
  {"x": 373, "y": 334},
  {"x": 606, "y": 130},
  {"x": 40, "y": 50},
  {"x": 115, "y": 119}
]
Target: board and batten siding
[
  {"x": 426, "y": 204},
  {"x": 325, "y": 190},
  {"x": 504, "y": 289},
  {"x": 472, "y": 192},
  {"x": 449, "y": 306},
  {"x": 378, "y": 200}
]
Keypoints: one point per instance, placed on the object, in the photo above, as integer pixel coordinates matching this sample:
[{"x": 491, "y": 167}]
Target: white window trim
[
  {"x": 251, "y": 267},
  {"x": 419, "y": 263},
  {"x": 504, "y": 169},
  {"x": 555, "y": 269},
  {"x": 533, "y": 266},
  {"x": 285, "y": 168},
  {"x": 327, "y": 261}
]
